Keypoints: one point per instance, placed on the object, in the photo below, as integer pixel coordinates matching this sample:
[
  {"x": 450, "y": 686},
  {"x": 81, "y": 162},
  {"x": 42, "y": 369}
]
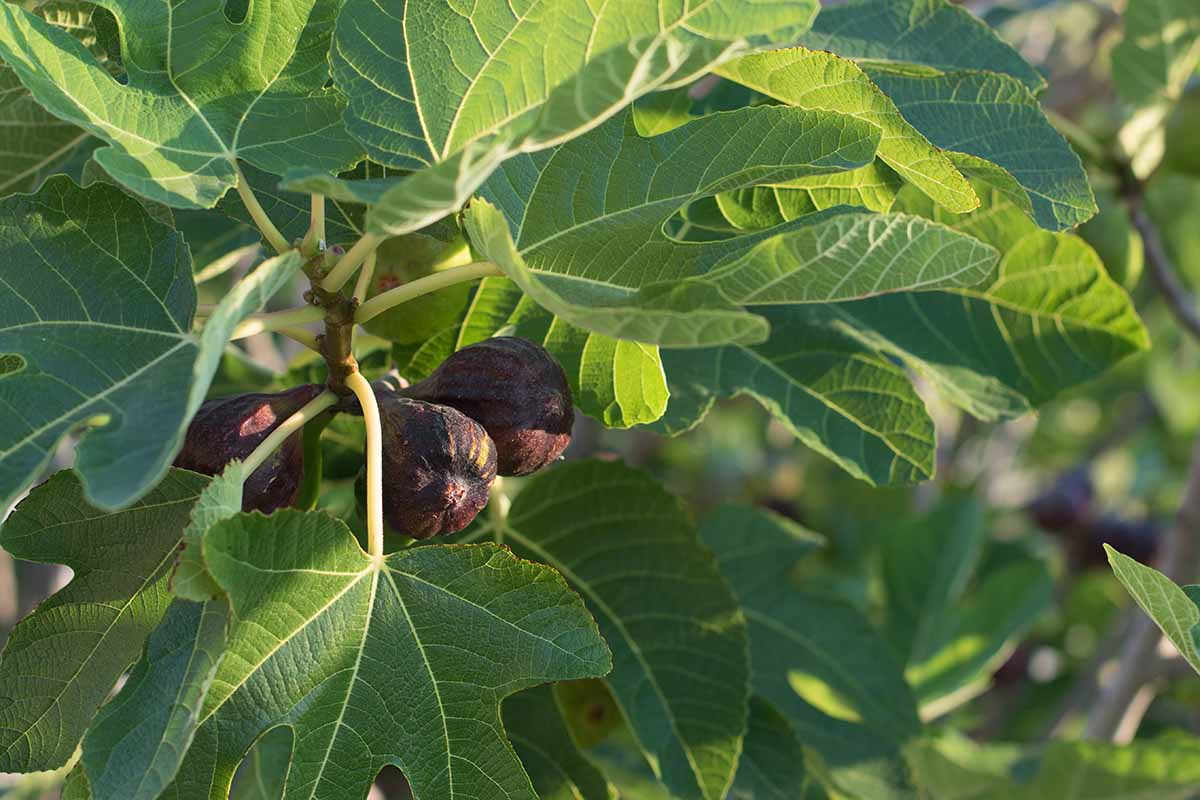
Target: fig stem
[
  {"x": 259, "y": 215},
  {"x": 422, "y": 286},
  {"x": 277, "y": 320},
  {"x": 364, "y": 278},
  {"x": 347, "y": 264},
  {"x": 370, "y": 410},
  {"x": 314, "y": 238},
  {"x": 295, "y": 422}
]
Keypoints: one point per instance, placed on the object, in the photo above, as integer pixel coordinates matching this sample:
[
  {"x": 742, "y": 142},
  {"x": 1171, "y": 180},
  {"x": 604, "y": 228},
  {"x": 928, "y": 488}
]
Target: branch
[
  {"x": 370, "y": 408},
  {"x": 259, "y": 215},
  {"x": 1179, "y": 300},
  {"x": 422, "y": 286},
  {"x": 1136, "y": 664}
]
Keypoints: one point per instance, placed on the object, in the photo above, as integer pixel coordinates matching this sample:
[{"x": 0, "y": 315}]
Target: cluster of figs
[
  {"x": 499, "y": 407},
  {"x": 1067, "y": 509}
]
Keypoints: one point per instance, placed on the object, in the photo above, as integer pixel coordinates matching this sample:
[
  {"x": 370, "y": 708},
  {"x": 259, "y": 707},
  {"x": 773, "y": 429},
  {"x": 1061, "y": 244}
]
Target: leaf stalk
[
  {"x": 259, "y": 215},
  {"x": 370, "y": 409},
  {"x": 346, "y": 266},
  {"x": 422, "y": 286},
  {"x": 295, "y": 422}
]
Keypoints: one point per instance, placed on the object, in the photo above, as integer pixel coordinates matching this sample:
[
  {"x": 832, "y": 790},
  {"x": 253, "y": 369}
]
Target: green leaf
[
  {"x": 679, "y": 665},
  {"x": 1052, "y": 319},
  {"x": 1172, "y": 608},
  {"x": 821, "y": 80},
  {"x": 772, "y": 763},
  {"x": 874, "y": 186},
  {"x": 134, "y": 746},
  {"x": 997, "y": 119},
  {"x": 202, "y": 92},
  {"x": 220, "y": 499},
  {"x": 61, "y": 661},
  {"x": 685, "y": 314},
  {"x": 815, "y": 659},
  {"x": 1167, "y": 767},
  {"x": 934, "y": 33},
  {"x": 558, "y": 769},
  {"x": 839, "y": 397},
  {"x": 954, "y": 767},
  {"x": 261, "y": 774},
  {"x": 402, "y": 660},
  {"x": 96, "y": 317},
  {"x": 1159, "y": 52}
]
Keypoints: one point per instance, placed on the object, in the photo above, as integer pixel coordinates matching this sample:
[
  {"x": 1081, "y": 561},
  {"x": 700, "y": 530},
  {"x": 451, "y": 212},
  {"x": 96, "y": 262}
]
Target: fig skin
[
  {"x": 515, "y": 390},
  {"x": 231, "y": 427},
  {"x": 438, "y": 466}
]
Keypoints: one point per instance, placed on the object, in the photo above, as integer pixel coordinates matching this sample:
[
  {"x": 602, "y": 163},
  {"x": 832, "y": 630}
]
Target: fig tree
[
  {"x": 438, "y": 466},
  {"x": 516, "y": 391},
  {"x": 231, "y": 427}
]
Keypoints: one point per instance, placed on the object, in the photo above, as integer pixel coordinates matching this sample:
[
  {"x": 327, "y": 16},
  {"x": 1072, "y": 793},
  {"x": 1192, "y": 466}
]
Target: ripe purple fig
[
  {"x": 438, "y": 467},
  {"x": 231, "y": 427},
  {"x": 1065, "y": 505},
  {"x": 516, "y": 391}
]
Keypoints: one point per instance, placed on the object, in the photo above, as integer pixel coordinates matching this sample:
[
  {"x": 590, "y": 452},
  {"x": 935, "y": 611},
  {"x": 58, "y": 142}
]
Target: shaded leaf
[
  {"x": 679, "y": 665},
  {"x": 97, "y": 312},
  {"x": 934, "y": 33},
  {"x": 135, "y": 744},
  {"x": 558, "y": 769},
  {"x": 814, "y": 658},
  {"x": 61, "y": 661},
  {"x": 836, "y": 395}
]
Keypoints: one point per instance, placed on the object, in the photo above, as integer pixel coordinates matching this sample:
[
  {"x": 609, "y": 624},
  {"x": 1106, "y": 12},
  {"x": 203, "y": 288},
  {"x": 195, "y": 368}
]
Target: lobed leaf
[
  {"x": 61, "y": 662},
  {"x": 133, "y": 748},
  {"x": 201, "y": 92},
  {"x": 402, "y": 660},
  {"x": 95, "y": 331}
]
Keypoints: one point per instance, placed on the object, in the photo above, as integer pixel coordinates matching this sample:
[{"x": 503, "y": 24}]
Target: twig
[
  {"x": 422, "y": 286},
  {"x": 1135, "y": 667},
  {"x": 1178, "y": 299},
  {"x": 314, "y": 238}
]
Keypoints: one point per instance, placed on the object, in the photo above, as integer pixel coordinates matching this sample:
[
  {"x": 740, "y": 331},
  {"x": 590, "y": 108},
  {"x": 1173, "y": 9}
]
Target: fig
[
  {"x": 515, "y": 390},
  {"x": 1065, "y": 505},
  {"x": 231, "y": 427},
  {"x": 438, "y": 466},
  {"x": 1136, "y": 538}
]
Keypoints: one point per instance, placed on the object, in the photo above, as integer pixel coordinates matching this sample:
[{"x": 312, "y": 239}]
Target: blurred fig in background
[
  {"x": 231, "y": 427},
  {"x": 1065, "y": 505},
  {"x": 516, "y": 391}
]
